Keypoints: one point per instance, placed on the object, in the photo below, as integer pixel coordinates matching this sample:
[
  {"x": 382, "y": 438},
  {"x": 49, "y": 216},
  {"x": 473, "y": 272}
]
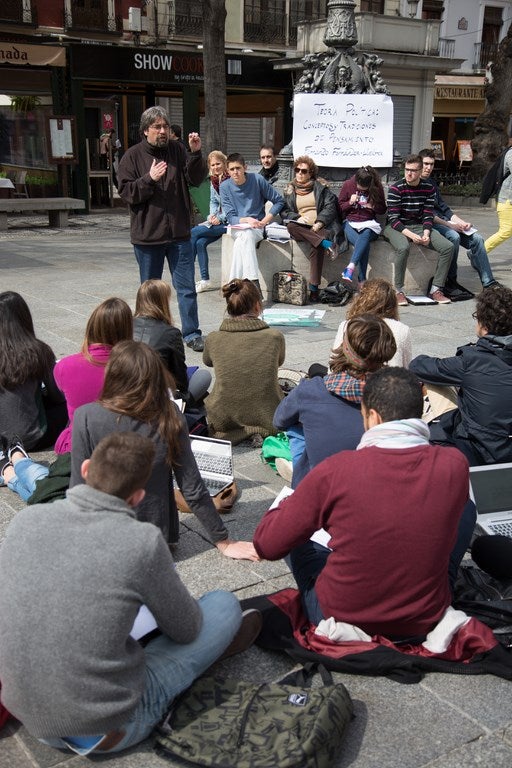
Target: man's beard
[{"x": 160, "y": 141}]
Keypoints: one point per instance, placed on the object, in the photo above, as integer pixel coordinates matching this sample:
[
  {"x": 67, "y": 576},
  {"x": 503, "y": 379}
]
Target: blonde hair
[
  {"x": 376, "y": 297},
  {"x": 216, "y": 154}
]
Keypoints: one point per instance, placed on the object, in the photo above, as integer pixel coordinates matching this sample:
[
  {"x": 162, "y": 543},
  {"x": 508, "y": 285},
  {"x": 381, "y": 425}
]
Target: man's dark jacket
[
  {"x": 482, "y": 372},
  {"x": 160, "y": 211}
]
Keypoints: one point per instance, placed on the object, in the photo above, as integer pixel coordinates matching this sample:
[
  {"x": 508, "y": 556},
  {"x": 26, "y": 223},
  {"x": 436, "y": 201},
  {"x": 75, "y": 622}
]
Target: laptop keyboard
[
  {"x": 214, "y": 486},
  {"x": 501, "y": 529},
  {"x": 221, "y": 465}
]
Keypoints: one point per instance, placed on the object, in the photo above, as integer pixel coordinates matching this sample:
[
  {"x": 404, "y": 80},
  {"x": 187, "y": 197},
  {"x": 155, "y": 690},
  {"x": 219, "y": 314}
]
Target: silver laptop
[
  {"x": 215, "y": 462},
  {"x": 491, "y": 489}
]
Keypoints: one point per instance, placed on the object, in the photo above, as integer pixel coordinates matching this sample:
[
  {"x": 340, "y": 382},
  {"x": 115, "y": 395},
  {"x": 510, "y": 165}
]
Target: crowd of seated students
[{"x": 371, "y": 480}]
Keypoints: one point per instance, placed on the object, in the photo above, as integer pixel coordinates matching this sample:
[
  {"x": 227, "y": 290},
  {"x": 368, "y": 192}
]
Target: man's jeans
[
  {"x": 200, "y": 239},
  {"x": 475, "y": 245},
  {"x": 28, "y": 472},
  {"x": 360, "y": 239},
  {"x": 150, "y": 259},
  {"x": 172, "y": 667}
]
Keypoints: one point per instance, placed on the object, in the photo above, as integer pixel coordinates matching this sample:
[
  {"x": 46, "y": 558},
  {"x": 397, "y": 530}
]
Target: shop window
[
  {"x": 265, "y": 21},
  {"x": 23, "y": 133}
]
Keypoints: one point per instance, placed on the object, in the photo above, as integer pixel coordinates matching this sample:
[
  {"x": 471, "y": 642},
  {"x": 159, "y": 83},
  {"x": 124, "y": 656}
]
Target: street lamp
[{"x": 413, "y": 7}]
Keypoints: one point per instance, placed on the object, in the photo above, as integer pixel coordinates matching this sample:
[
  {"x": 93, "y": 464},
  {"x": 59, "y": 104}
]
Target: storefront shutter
[{"x": 403, "y": 113}]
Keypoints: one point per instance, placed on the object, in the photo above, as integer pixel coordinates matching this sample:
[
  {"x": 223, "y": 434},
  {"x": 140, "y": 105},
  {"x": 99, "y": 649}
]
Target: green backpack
[{"x": 222, "y": 722}]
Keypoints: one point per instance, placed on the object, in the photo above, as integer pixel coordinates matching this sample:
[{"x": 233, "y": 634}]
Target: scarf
[
  {"x": 303, "y": 189},
  {"x": 402, "y": 433},
  {"x": 216, "y": 180},
  {"x": 346, "y": 386}
]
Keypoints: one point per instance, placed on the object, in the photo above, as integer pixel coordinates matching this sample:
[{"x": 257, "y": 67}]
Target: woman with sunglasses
[{"x": 310, "y": 209}]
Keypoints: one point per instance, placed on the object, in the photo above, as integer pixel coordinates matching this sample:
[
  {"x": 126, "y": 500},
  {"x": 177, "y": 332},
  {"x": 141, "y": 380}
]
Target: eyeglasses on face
[{"x": 302, "y": 170}]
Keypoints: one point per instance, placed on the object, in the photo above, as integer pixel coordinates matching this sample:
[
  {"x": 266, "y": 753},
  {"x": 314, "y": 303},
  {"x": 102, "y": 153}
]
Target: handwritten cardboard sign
[{"x": 344, "y": 130}]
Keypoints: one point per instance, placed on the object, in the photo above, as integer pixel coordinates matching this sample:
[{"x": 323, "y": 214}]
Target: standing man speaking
[{"x": 153, "y": 179}]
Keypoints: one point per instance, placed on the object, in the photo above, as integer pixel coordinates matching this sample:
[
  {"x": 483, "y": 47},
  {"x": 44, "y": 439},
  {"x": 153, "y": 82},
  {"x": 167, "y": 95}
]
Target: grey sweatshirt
[{"x": 74, "y": 574}]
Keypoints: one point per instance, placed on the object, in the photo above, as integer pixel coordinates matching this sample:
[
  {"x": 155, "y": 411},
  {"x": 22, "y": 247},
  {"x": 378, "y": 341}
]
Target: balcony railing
[
  {"x": 446, "y": 48},
  {"x": 18, "y": 12},
  {"x": 185, "y": 18},
  {"x": 92, "y": 20},
  {"x": 270, "y": 29},
  {"x": 484, "y": 53}
]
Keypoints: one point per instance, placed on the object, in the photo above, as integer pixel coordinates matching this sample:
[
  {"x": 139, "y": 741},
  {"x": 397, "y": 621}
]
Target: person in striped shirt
[{"x": 410, "y": 219}]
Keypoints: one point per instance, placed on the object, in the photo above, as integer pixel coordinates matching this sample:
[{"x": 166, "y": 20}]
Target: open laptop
[
  {"x": 491, "y": 490},
  {"x": 214, "y": 459}
]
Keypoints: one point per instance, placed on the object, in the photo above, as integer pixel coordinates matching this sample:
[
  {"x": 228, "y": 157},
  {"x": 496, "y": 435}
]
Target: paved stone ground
[{"x": 443, "y": 721}]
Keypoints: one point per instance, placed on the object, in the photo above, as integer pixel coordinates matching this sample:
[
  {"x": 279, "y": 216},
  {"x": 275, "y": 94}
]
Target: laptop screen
[{"x": 492, "y": 488}]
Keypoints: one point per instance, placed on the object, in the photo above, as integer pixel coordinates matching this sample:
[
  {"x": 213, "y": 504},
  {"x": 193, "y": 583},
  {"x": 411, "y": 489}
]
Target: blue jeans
[
  {"x": 306, "y": 562},
  {"x": 200, "y": 239},
  {"x": 172, "y": 667},
  {"x": 361, "y": 240},
  {"x": 27, "y": 473},
  {"x": 150, "y": 259},
  {"x": 475, "y": 245}
]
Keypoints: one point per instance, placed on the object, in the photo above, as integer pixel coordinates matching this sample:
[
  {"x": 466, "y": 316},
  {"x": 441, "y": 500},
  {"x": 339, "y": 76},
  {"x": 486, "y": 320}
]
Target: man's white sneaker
[{"x": 203, "y": 285}]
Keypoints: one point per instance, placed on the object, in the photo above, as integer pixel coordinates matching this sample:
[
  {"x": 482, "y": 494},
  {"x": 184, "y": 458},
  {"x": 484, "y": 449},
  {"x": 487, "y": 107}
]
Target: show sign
[{"x": 344, "y": 130}]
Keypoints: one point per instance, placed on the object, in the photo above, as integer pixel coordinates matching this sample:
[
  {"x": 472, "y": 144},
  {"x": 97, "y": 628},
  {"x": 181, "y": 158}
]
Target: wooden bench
[
  {"x": 274, "y": 257},
  {"x": 57, "y": 208}
]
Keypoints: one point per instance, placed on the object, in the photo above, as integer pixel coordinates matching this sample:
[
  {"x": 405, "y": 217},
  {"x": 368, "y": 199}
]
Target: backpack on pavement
[{"x": 224, "y": 722}]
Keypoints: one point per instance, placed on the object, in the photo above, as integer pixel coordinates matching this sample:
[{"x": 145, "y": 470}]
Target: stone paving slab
[{"x": 445, "y": 720}]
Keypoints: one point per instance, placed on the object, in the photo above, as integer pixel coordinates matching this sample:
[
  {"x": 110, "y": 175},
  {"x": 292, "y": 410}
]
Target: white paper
[
  {"x": 420, "y": 300},
  {"x": 144, "y": 623},
  {"x": 344, "y": 130}
]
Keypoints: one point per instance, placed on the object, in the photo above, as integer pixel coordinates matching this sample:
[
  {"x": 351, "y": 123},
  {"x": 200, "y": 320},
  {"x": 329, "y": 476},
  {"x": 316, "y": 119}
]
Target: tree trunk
[
  {"x": 215, "y": 133},
  {"x": 491, "y": 127}
]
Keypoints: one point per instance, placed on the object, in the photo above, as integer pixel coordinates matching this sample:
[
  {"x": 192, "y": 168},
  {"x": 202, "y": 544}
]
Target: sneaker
[
  {"x": 15, "y": 445},
  {"x": 347, "y": 275},
  {"x": 250, "y": 628},
  {"x": 196, "y": 344},
  {"x": 284, "y": 469},
  {"x": 439, "y": 297},
  {"x": 203, "y": 285},
  {"x": 400, "y": 299},
  {"x": 492, "y": 284}
]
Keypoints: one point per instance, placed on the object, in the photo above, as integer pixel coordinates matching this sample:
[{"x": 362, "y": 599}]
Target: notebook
[
  {"x": 491, "y": 489},
  {"x": 214, "y": 459}
]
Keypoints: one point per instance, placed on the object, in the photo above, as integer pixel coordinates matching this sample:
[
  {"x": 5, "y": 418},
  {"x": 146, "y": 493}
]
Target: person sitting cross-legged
[
  {"x": 395, "y": 541},
  {"x": 477, "y": 416},
  {"x": 75, "y": 574}
]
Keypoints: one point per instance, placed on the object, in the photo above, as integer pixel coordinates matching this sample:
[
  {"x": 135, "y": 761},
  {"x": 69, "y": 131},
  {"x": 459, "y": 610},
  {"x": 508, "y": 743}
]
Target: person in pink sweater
[
  {"x": 80, "y": 377},
  {"x": 393, "y": 538}
]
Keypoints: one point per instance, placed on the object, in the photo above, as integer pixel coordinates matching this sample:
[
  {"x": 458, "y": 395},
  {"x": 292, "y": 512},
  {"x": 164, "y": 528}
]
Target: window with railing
[
  {"x": 265, "y": 21},
  {"x": 484, "y": 54},
  {"x": 304, "y": 10},
  {"x": 372, "y": 6},
  {"x": 92, "y": 16},
  {"x": 187, "y": 18},
  {"x": 18, "y": 11},
  {"x": 446, "y": 47}
]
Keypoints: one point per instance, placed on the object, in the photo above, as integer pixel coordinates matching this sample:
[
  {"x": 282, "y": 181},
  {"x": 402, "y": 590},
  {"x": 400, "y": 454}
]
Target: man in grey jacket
[{"x": 74, "y": 576}]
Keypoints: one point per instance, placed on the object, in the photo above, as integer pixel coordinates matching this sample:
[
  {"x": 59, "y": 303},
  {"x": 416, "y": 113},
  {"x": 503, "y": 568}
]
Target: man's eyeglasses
[
  {"x": 474, "y": 316},
  {"x": 413, "y": 170}
]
